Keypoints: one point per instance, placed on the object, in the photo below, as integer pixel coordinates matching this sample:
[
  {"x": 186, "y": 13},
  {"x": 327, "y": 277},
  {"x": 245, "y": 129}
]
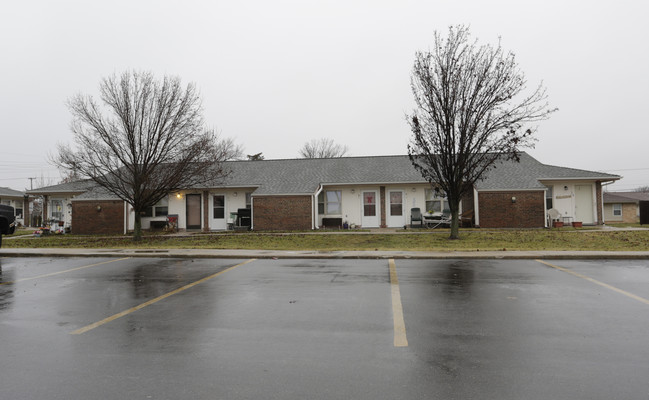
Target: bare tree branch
[
  {"x": 471, "y": 112},
  {"x": 323, "y": 148},
  {"x": 143, "y": 140}
]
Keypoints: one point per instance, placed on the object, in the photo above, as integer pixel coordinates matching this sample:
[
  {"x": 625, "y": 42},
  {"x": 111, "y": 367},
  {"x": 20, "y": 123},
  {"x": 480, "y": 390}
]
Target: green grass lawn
[{"x": 471, "y": 240}]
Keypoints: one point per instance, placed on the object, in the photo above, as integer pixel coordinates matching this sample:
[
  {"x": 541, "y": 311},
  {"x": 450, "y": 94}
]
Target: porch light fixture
[
  {"x": 179, "y": 196},
  {"x": 234, "y": 194},
  {"x": 565, "y": 188},
  {"x": 98, "y": 208},
  {"x": 414, "y": 190},
  {"x": 353, "y": 191},
  {"x": 513, "y": 199}
]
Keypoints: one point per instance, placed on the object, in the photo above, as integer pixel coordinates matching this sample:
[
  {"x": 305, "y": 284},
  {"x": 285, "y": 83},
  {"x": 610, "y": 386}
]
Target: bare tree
[
  {"x": 323, "y": 148},
  {"x": 232, "y": 150},
  {"x": 471, "y": 112},
  {"x": 144, "y": 139},
  {"x": 642, "y": 189}
]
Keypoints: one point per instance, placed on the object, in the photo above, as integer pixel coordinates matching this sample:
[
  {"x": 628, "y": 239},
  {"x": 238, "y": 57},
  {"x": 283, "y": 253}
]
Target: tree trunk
[
  {"x": 455, "y": 223},
  {"x": 137, "y": 227}
]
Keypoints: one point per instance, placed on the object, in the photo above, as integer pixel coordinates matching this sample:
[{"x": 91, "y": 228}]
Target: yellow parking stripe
[
  {"x": 153, "y": 301},
  {"x": 400, "y": 338},
  {"x": 63, "y": 272},
  {"x": 595, "y": 281}
]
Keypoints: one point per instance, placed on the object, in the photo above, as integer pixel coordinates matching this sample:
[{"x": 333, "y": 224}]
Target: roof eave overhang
[{"x": 590, "y": 178}]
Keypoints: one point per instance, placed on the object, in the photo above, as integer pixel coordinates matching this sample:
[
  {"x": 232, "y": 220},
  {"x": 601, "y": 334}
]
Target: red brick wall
[
  {"x": 281, "y": 213},
  {"x": 498, "y": 211},
  {"x": 87, "y": 220}
]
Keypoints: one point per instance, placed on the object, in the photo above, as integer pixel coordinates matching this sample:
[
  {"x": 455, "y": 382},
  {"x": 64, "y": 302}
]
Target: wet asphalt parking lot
[{"x": 138, "y": 328}]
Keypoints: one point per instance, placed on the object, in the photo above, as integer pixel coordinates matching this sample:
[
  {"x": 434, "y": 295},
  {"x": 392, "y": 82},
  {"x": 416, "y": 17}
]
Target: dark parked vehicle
[{"x": 7, "y": 221}]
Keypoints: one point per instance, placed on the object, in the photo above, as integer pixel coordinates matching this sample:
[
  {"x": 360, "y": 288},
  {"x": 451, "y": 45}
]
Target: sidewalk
[{"x": 308, "y": 254}]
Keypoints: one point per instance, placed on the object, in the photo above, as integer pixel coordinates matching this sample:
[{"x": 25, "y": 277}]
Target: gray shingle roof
[
  {"x": 7, "y": 192},
  {"x": 303, "y": 176},
  {"x": 625, "y": 197},
  {"x": 529, "y": 174},
  {"x": 69, "y": 187}
]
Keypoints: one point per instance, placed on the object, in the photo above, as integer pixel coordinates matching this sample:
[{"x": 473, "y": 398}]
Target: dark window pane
[
  {"x": 148, "y": 212},
  {"x": 161, "y": 211},
  {"x": 219, "y": 212},
  {"x": 396, "y": 209},
  {"x": 370, "y": 210}
]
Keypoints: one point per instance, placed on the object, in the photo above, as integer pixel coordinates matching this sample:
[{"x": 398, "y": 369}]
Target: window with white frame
[
  {"x": 330, "y": 202},
  {"x": 617, "y": 210},
  {"x": 248, "y": 199},
  {"x": 435, "y": 202},
  {"x": 161, "y": 209}
]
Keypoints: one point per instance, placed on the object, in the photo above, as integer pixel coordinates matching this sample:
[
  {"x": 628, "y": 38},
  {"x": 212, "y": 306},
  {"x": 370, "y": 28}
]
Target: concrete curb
[{"x": 281, "y": 254}]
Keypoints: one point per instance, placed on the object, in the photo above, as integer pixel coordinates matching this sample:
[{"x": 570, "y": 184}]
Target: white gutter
[
  {"x": 476, "y": 207},
  {"x": 314, "y": 208}
]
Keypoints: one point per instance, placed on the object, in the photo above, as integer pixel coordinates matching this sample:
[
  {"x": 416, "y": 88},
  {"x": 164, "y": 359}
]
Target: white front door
[
  {"x": 584, "y": 204},
  {"x": 218, "y": 219},
  {"x": 395, "y": 215},
  {"x": 370, "y": 218}
]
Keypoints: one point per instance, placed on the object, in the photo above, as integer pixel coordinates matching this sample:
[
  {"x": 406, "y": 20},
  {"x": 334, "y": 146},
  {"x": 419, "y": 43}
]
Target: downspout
[
  {"x": 252, "y": 210},
  {"x": 602, "y": 200},
  {"x": 476, "y": 207},
  {"x": 545, "y": 207},
  {"x": 314, "y": 208}
]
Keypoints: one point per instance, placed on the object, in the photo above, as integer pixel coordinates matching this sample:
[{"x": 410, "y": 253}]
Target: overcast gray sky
[{"x": 275, "y": 74}]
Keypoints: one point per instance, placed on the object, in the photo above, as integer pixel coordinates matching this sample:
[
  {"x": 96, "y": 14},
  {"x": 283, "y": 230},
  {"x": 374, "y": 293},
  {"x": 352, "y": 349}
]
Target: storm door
[
  {"x": 218, "y": 221},
  {"x": 193, "y": 203},
  {"x": 370, "y": 218},
  {"x": 396, "y": 216},
  {"x": 584, "y": 204}
]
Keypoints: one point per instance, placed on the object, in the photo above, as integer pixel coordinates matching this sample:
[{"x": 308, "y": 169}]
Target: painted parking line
[
  {"x": 400, "y": 338},
  {"x": 153, "y": 301},
  {"x": 600, "y": 283},
  {"x": 63, "y": 272}
]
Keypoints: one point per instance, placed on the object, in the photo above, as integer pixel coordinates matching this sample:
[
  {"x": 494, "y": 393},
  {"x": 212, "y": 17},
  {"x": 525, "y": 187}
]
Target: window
[
  {"x": 617, "y": 210},
  {"x": 369, "y": 204},
  {"x": 57, "y": 210},
  {"x": 548, "y": 198},
  {"x": 435, "y": 202},
  {"x": 330, "y": 202},
  {"x": 19, "y": 212},
  {"x": 219, "y": 206},
  {"x": 396, "y": 203},
  {"x": 161, "y": 209}
]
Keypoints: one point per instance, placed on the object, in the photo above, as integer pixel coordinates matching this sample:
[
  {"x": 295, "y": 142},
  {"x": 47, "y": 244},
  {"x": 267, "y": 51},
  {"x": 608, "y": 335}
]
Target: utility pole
[{"x": 31, "y": 183}]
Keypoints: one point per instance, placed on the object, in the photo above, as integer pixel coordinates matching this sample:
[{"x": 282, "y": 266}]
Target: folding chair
[{"x": 415, "y": 215}]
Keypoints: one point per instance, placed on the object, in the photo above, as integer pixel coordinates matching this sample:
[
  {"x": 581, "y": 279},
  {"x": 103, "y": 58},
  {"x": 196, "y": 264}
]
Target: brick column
[
  {"x": 598, "y": 195},
  {"x": 206, "y": 211},
  {"x": 26, "y": 216},
  {"x": 384, "y": 205},
  {"x": 46, "y": 199}
]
